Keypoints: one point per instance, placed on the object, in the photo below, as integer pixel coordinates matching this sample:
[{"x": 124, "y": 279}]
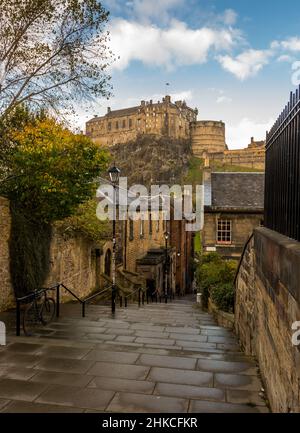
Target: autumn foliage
[{"x": 52, "y": 170}]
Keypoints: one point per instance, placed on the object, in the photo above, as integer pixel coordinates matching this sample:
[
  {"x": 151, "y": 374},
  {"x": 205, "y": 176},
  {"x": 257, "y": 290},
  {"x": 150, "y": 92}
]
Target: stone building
[
  {"x": 208, "y": 136},
  {"x": 234, "y": 205},
  {"x": 146, "y": 251},
  {"x": 161, "y": 118}
]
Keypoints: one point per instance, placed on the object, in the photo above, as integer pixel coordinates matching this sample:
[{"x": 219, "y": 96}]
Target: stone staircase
[{"x": 156, "y": 358}]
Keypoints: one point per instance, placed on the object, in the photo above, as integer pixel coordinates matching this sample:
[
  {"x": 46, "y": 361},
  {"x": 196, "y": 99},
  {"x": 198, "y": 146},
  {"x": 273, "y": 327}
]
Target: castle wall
[
  {"x": 208, "y": 137},
  {"x": 162, "y": 118}
]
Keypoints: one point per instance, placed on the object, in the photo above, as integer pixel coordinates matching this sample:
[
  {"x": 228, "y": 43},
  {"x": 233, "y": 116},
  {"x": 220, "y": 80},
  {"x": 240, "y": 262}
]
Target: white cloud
[
  {"x": 290, "y": 44},
  {"x": 239, "y": 135},
  {"x": 246, "y": 64},
  {"x": 230, "y": 17},
  {"x": 223, "y": 100},
  {"x": 170, "y": 47},
  {"x": 285, "y": 58},
  {"x": 144, "y": 10}
]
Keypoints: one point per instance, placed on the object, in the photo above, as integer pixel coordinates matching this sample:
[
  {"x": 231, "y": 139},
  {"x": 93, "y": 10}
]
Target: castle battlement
[{"x": 165, "y": 118}]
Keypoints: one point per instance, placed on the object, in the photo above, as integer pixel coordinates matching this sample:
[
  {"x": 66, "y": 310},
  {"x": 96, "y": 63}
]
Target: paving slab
[
  {"x": 88, "y": 398},
  {"x": 18, "y": 373},
  {"x": 20, "y": 390},
  {"x": 226, "y": 367},
  {"x": 125, "y": 385},
  {"x": 110, "y": 356},
  {"x": 238, "y": 381},
  {"x": 122, "y": 371},
  {"x": 65, "y": 365},
  {"x": 213, "y": 407},
  {"x": 190, "y": 392},
  {"x": 167, "y": 361},
  {"x": 136, "y": 403},
  {"x": 244, "y": 397},
  {"x": 185, "y": 377},
  {"x": 57, "y": 378},
  {"x": 27, "y": 407}
]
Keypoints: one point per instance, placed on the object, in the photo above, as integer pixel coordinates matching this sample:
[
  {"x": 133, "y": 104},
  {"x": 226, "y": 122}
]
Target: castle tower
[{"x": 208, "y": 136}]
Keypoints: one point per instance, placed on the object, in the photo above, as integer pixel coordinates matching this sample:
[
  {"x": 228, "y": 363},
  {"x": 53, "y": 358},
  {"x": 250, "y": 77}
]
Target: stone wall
[
  {"x": 243, "y": 224},
  {"x": 208, "y": 136},
  {"x": 267, "y": 304},
  {"x": 74, "y": 261},
  {"x": 6, "y": 293}
]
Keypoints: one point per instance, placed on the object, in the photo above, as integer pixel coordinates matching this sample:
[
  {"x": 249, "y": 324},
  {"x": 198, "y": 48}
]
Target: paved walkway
[{"x": 157, "y": 358}]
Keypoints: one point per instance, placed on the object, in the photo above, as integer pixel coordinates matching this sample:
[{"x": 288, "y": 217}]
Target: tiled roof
[{"x": 237, "y": 190}]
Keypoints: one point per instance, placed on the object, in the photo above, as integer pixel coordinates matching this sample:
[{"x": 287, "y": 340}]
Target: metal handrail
[
  {"x": 83, "y": 302},
  {"x": 139, "y": 290}
]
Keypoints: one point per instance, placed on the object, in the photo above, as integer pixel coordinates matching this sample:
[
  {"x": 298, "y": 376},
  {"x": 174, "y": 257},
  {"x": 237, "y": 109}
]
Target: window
[
  {"x": 131, "y": 234},
  {"x": 224, "y": 232},
  {"x": 117, "y": 125},
  {"x": 124, "y": 124},
  {"x": 109, "y": 126},
  {"x": 130, "y": 123}
]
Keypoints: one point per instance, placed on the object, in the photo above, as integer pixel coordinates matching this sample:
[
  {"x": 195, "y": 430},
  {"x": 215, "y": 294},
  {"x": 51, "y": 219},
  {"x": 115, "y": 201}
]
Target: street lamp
[
  {"x": 166, "y": 266},
  {"x": 114, "y": 174}
]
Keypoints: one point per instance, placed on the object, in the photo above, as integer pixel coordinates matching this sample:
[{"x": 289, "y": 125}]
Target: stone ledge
[{"x": 278, "y": 260}]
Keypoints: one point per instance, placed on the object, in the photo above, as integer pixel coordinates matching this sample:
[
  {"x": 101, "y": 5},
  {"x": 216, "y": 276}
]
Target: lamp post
[
  {"x": 166, "y": 266},
  {"x": 114, "y": 174}
]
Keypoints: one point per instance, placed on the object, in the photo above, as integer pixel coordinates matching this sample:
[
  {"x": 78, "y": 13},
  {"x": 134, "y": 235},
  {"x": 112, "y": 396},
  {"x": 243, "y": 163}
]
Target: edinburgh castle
[{"x": 177, "y": 121}]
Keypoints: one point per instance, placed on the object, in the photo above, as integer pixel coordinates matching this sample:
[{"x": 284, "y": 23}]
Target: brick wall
[{"x": 267, "y": 304}]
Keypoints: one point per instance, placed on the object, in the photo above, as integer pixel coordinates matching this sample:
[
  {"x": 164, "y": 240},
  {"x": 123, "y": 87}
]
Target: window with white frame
[{"x": 224, "y": 231}]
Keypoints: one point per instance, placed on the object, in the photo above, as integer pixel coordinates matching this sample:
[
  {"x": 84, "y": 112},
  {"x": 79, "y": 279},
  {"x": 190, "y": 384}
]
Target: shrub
[{"x": 215, "y": 277}]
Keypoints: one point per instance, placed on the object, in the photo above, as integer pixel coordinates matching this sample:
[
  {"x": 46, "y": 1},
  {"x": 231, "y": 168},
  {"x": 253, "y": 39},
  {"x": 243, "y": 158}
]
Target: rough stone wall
[
  {"x": 267, "y": 304},
  {"x": 73, "y": 261},
  {"x": 6, "y": 292}
]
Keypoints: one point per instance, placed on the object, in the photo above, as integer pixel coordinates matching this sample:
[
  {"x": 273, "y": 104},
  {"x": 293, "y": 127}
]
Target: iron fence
[{"x": 282, "y": 186}]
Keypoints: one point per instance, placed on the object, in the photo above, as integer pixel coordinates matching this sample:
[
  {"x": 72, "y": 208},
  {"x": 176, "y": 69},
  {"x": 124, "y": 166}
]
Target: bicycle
[{"x": 40, "y": 311}]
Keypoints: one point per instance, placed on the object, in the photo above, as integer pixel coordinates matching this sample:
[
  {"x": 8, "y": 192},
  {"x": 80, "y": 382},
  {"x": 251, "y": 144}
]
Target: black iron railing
[
  {"x": 282, "y": 186},
  {"x": 140, "y": 292}
]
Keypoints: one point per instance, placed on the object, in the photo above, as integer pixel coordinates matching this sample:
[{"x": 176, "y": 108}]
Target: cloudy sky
[{"x": 235, "y": 61}]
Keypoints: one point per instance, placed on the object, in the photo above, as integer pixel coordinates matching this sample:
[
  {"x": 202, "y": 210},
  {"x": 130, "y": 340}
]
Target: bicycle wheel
[
  {"x": 31, "y": 318},
  {"x": 48, "y": 311}
]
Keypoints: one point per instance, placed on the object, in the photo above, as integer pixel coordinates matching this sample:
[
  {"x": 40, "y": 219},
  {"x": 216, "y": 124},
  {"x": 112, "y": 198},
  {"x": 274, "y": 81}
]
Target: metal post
[
  {"x": 166, "y": 270},
  {"x": 139, "y": 297},
  {"x": 121, "y": 301},
  {"x": 57, "y": 300},
  {"x": 143, "y": 298},
  {"x": 83, "y": 309},
  {"x": 113, "y": 289},
  {"x": 18, "y": 319}
]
